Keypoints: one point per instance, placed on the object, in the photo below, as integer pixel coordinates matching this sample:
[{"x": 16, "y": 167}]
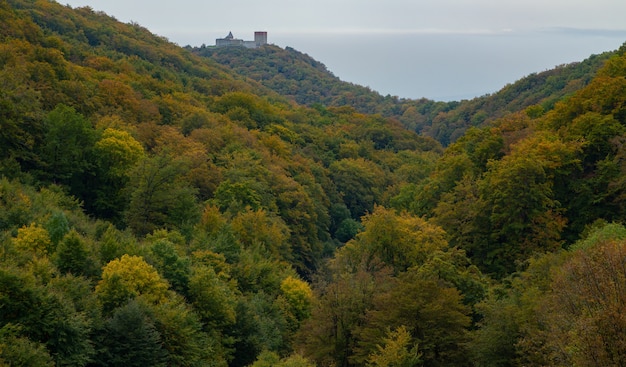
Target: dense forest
[{"x": 159, "y": 207}]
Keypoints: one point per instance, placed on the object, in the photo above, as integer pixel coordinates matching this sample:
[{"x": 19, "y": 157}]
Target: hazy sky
[{"x": 599, "y": 25}]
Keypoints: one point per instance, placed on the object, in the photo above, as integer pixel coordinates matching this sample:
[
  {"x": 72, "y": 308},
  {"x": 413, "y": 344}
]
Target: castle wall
[
  {"x": 250, "y": 44},
  {"x": 223, "y": 42},
  {"x": 260, "y": 39}
]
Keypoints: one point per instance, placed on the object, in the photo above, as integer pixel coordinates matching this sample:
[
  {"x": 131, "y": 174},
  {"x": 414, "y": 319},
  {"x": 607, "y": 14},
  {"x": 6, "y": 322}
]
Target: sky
[{"x": 443, "y": 49}]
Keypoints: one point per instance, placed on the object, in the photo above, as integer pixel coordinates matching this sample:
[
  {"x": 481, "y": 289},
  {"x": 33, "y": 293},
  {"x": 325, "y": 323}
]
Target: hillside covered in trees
[
  {"x": 158, "y": 208},
  {"x": 303, "y": 79}
]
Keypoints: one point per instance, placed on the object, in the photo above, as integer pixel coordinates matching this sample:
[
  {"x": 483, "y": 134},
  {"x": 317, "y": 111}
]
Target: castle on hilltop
[{"x": 260, "y": 39}]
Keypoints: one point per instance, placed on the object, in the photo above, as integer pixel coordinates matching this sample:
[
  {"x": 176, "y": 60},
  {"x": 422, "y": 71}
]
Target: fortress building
[{"x": 260, "y": 39}]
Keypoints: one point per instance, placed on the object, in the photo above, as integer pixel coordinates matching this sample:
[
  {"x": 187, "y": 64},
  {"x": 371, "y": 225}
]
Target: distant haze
[
  {"x": 442, "y": 66},
  {"x": 445, "y": 66},
  {"x": 442, "y": 50}
]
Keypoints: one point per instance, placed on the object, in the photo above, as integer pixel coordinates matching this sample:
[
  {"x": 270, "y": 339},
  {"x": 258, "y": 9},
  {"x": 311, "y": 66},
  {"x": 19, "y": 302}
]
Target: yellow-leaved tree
[
  {"x": 33, "y": 239},
  {"x": 127, "y": 278},
  {"x": 396, "y": 350},
  {"x": 117, "y": 153},
  {"x": 298, "y": 296}
]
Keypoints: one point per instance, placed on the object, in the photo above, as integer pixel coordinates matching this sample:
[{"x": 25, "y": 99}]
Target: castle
[{"x": 260, "y": 39}]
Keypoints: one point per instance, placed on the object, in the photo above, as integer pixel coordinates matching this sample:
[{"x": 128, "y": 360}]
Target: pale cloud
[{"x": 174, "y": 19}]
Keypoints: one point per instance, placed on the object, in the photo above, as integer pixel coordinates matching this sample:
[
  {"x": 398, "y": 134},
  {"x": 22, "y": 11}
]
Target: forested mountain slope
[
  {"x": 146, "y": 189},
  {"x": 307, "y": 81},
  {"x": 300, "y": 77},
  {"x": 157, "y": 209}
]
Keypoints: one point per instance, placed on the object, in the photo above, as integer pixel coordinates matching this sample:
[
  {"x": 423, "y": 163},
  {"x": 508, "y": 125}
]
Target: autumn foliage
[{"x": 157, "y": 209}]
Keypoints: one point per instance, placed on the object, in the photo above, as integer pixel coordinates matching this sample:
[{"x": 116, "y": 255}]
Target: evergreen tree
[{"x": 129, "y": 338}]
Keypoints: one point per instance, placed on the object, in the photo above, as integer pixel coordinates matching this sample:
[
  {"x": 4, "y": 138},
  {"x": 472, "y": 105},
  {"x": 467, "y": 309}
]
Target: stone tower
[{"x": 260, "y": 38}]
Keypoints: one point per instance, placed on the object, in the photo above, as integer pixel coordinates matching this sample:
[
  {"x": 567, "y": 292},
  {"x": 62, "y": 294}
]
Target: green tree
[
  {"x": 182, "y": 337},
  {"x": 21, "y": 118},
  {"x": 432, "y": 312},
  {"x": 44, "y": 316},
  {"x": 595, "y": 189},
  {"x": 462, "y": 212},
  {"x": 304, "y": 218},
  {"x": 423, "y": 198},
  {"x": 212, "y": 297},
  {"x": 159, "y": 197},
  {"x": 16, "y": 350},
  {"x": 510, "y": 331},
  {"x": 246, "y": 108},
  {"x": 235, "y": 197},
  {"x": 129, "y": 338},
  {"x": 118, "y": 151},
  {"x": 57, "y": 227},
  {"x": 261, "y": 326},
  {"x": 582, "y": 315},
  {"x": 114, "y": 243},
  {"x": 348, "y": 229},
  {"x": 399, "y": 240},
  {"x": 524, "y": 215},
  {"x": 258, "y": 228},
  {"x": 361, "y": 183},
  {"x": 256, "y": 272},
  {"x": 398, "y": 272},
  {"x": 176, "y": 269},
  {"x": 493, "y": 343},
  {"x": 16, "y": 205},
  {"x": 67, "y": 151},
  {"x": 72, "y": 255},
  {"x": 329, "y": 336}
]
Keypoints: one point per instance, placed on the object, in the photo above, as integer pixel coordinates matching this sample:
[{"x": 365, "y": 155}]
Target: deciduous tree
[
  {"x": 127, "y": 278},
  {"x": 68, "y": 148},
  {"x": 159, "y": 198},
  {"x": 361, "y": 183}
]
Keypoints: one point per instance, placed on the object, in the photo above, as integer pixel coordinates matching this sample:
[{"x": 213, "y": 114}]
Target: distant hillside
[
  {"x": 299, "y": 77},
  {"x": 543, "y": 89},
  {"x": 303, "y": 79}
]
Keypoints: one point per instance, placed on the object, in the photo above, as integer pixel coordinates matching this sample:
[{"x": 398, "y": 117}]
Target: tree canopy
[{"x": 160, "y": 207}]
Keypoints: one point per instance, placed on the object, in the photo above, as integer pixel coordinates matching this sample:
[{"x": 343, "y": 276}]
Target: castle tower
[{"x": 260, "y": 38}]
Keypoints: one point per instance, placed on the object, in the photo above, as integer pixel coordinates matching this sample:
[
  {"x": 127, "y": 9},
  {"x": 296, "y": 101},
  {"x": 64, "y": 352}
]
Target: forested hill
[
  {"x": 300, "y": 77},
  {"x": 158, "y": 209},
  {"x": 303, "y": 79},
  {"x": 98, "y": 107}
]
